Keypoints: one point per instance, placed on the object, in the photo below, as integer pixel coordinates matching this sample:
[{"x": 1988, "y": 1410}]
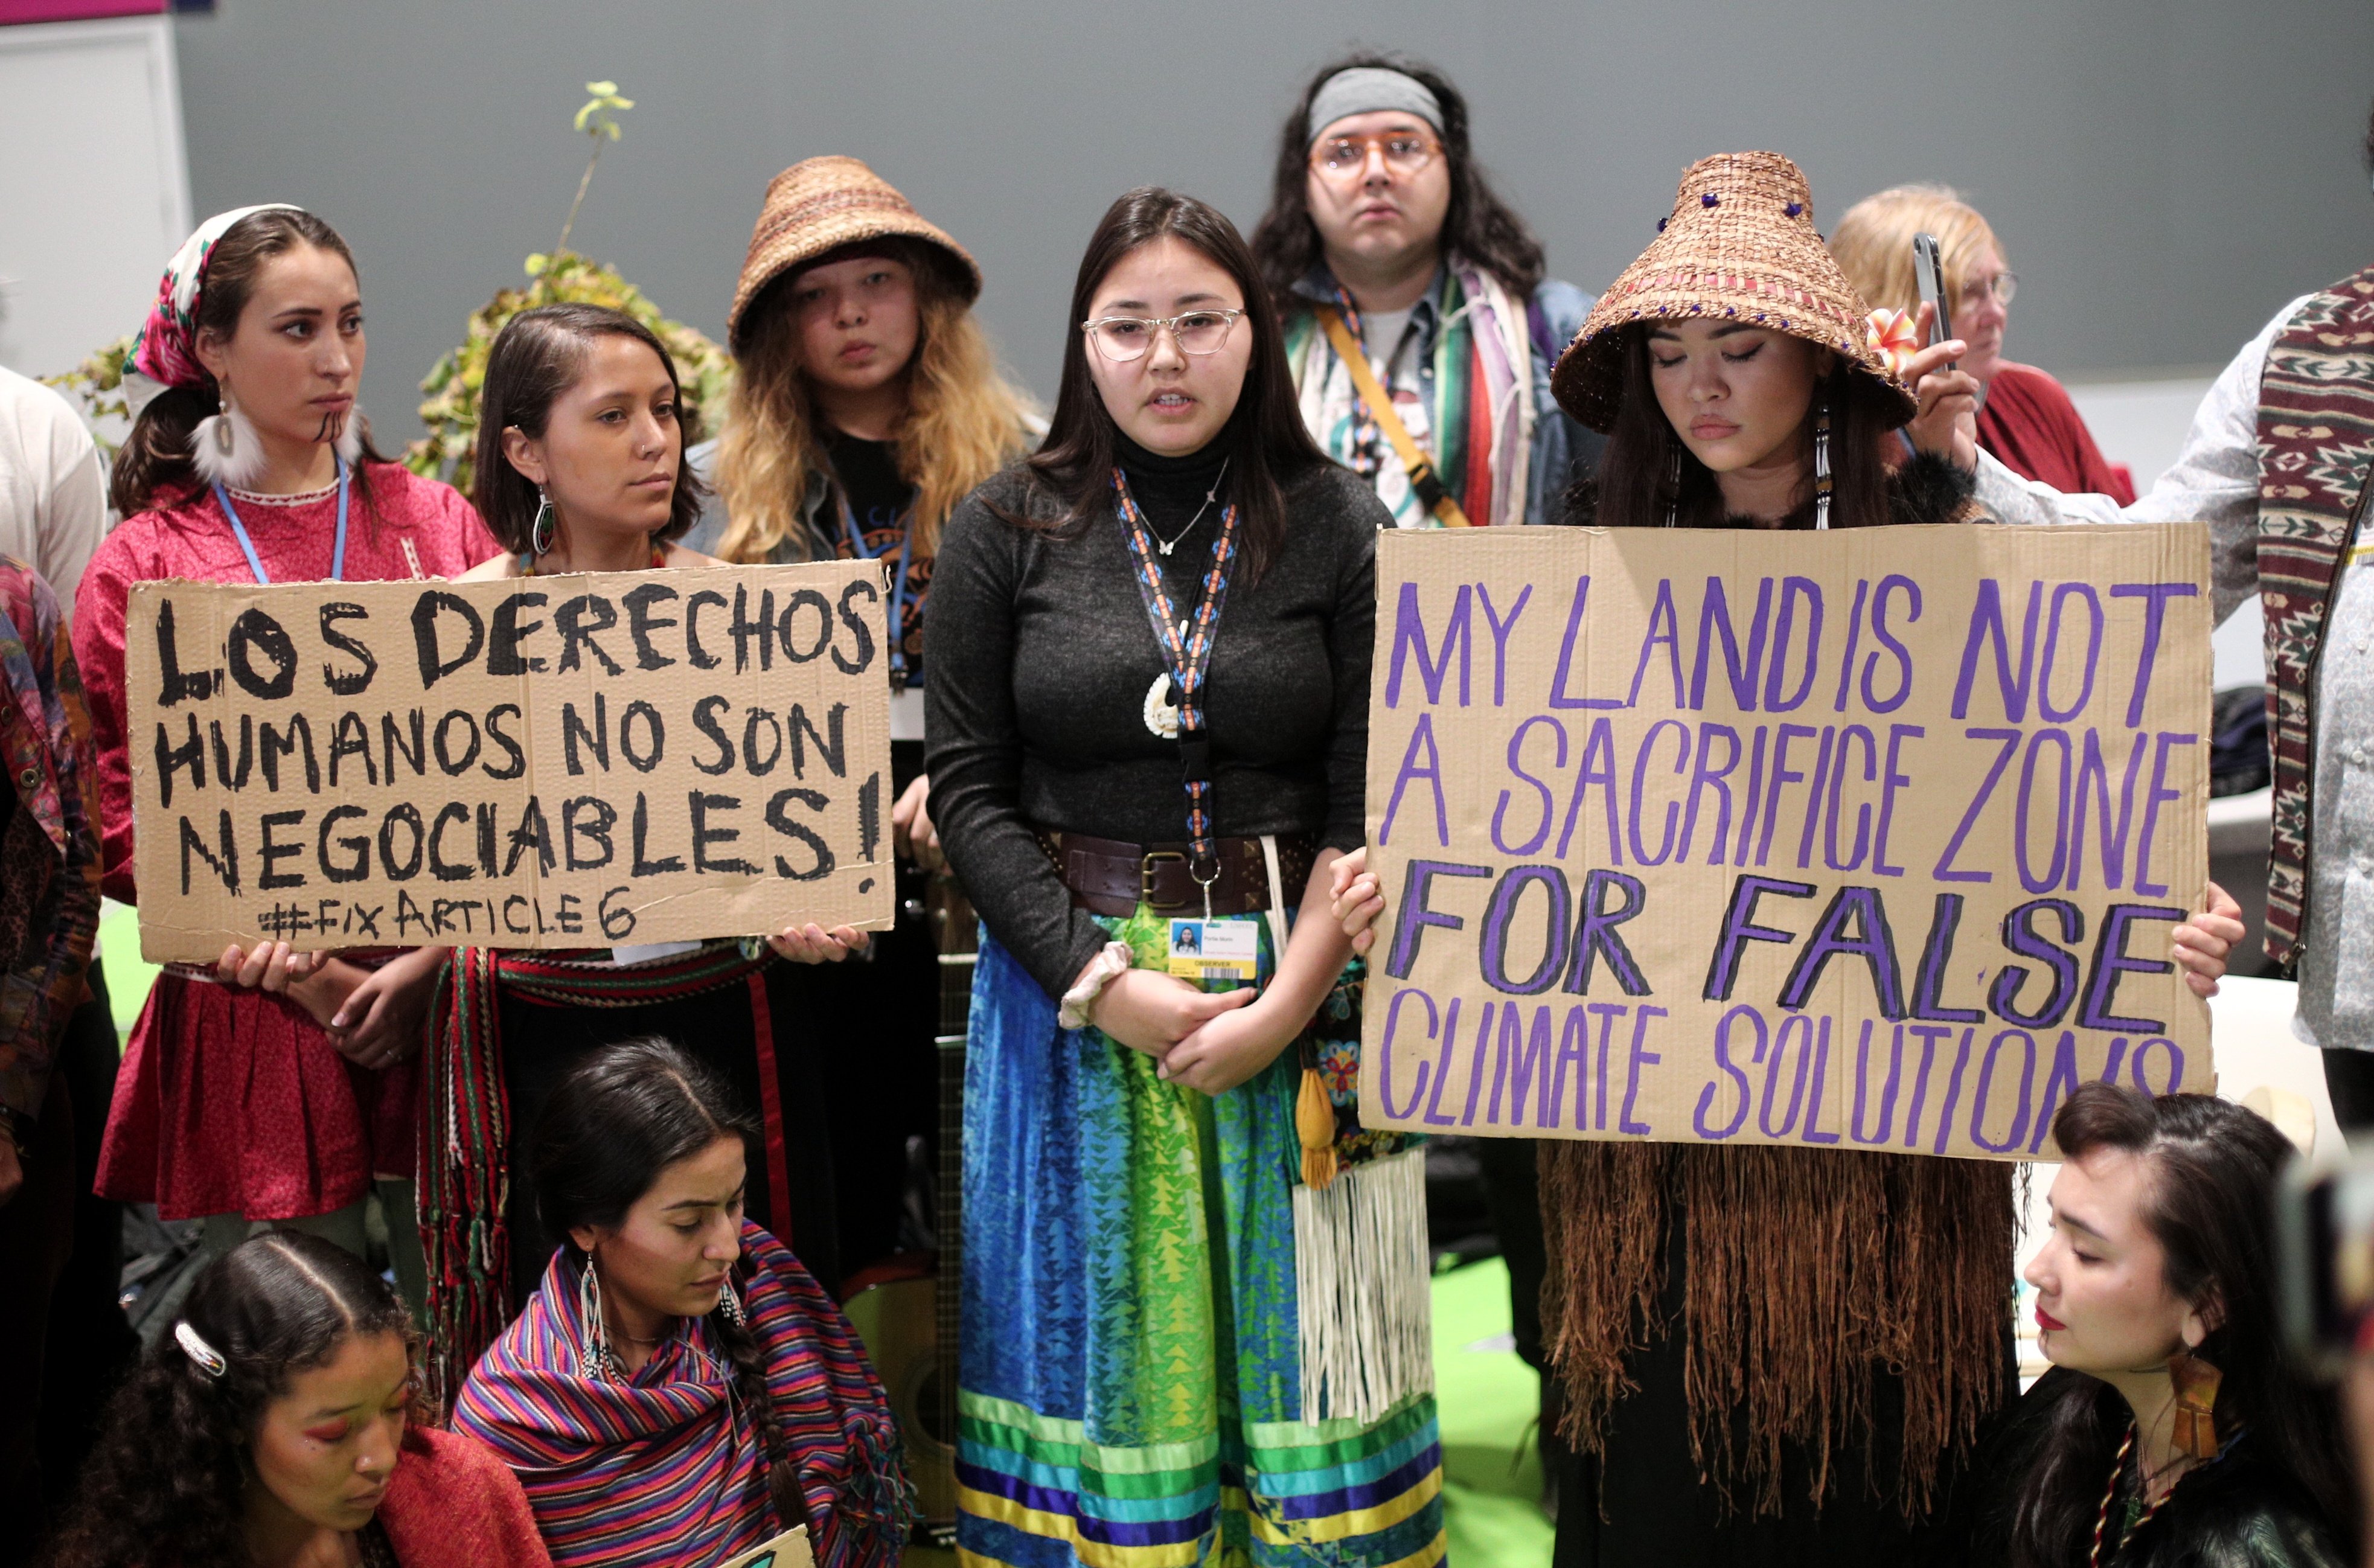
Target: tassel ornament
[{"x": 1315, "y": 1124}]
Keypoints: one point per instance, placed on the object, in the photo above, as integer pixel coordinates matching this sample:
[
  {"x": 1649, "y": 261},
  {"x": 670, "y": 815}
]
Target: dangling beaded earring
[
  {"x": 731, "y": 1305},
  {"x": 1822, "y": 466},
  {"x": 1674, "y": 485},
  {"x": 600, "y": 1359},
  {"x": 226, "y": 438},
  {"x": 540, "y": 532}
]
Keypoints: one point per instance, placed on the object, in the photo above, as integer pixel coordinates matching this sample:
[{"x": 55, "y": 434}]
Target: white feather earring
[
  {"x": 226, "y": 449},
  {"x": 350, "y": 436}
]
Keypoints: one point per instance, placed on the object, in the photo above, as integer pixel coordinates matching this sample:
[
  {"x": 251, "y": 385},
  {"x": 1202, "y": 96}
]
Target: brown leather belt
[{"x": 1108, "y": 876}]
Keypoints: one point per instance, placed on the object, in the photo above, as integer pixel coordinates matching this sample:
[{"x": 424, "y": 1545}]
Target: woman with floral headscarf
[{"x": 248, "y": 1095}]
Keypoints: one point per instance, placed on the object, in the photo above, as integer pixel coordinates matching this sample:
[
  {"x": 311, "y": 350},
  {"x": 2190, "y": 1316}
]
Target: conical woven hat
[
  {"x": 821, "y": 205},
  {"x": 1740, "y": 242}
]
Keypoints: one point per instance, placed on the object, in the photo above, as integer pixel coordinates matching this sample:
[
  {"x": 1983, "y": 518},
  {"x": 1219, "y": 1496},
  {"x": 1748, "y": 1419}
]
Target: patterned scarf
[
  {"x": 466, "y": 1131},
  {"x": 2316, "y": 447},
  {"x": 665, "y": 1466},
  {"x": 1481, "y": 446}
]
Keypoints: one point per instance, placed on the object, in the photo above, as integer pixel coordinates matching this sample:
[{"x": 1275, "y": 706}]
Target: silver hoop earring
[
  {"x": 601, "y": 1359},
  {"x": 540, "y": 532},
  {"x": 1822, "y": 466}
]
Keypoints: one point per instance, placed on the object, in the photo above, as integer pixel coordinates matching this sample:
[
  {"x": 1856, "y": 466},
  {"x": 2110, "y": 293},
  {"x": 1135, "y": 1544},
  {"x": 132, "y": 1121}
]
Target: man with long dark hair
[
  {"x": 2280, "y": 464},
  {"x": 1382, "y": 233}
]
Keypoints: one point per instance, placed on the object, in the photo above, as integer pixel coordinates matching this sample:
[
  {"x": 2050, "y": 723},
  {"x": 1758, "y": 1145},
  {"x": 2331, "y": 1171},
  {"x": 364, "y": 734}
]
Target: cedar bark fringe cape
[{"x": 1806, "y": 1274}]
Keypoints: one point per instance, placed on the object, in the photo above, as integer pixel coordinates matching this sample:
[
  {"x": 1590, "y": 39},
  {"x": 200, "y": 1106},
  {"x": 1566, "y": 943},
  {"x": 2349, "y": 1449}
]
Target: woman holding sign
[
  {"x": 580, "y": 469},
  {"x": 866, "y": 404},
  {"x": 1172, "y": 1260},
  {"x": 249, "y": 463},
  {"x": 1778, "y": 1355}
]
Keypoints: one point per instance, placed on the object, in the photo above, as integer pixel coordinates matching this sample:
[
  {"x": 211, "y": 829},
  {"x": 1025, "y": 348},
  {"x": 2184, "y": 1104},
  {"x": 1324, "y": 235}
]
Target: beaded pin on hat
[{"x": 1739, "y": 244}]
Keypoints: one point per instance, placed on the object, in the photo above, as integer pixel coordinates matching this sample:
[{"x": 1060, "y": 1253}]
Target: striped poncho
[{"x": 665, "y": 1467}]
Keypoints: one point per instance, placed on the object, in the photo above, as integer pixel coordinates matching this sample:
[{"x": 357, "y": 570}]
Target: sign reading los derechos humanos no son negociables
[
  {"x": 1871, "y": 839},
  {"x": 569, "y": 761}
]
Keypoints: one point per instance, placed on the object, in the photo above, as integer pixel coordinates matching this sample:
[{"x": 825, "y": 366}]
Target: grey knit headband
[{"x": 1364, "y": 90}]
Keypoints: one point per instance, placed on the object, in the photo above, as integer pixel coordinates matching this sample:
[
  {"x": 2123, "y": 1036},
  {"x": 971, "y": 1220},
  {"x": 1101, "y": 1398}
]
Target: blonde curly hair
[{"x": 964, "y": 422}]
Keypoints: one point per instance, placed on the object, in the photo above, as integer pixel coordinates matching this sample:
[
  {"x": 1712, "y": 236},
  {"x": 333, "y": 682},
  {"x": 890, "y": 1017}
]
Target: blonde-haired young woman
[{"x": 866, "y": 403}]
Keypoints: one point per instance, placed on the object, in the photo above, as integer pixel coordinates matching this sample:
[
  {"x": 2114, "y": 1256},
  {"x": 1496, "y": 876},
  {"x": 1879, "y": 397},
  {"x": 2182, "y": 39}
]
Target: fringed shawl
[
  {"x": 666, "y": 1466},
  {"x": 1807, "y": 1274}
]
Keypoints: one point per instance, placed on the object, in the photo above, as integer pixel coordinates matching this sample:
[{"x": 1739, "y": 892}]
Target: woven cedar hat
[
  {"x": 1740, "y": 242},
  {"x": 821, "y": 205}
]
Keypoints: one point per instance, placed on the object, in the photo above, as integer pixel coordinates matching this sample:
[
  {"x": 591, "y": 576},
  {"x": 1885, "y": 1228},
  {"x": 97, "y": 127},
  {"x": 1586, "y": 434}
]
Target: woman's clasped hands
[{"x": 1210, "y": 1040}]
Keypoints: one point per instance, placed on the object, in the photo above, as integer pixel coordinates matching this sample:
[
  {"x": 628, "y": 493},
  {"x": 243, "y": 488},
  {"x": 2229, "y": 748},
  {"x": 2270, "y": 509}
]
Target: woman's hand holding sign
[
  {"x": 2203, "y": 942},
  {"x": 1355, "y": 899}
]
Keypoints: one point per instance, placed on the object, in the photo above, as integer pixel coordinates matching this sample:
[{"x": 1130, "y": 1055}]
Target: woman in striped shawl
[{"x": 678, "y": 1389}]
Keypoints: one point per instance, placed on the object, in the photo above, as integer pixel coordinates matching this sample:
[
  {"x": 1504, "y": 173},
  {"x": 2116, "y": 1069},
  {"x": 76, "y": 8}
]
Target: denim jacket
[{"x": 1562, "y": 448}]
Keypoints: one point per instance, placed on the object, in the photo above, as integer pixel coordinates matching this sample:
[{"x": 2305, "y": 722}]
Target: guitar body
[
  {"x": 899, "y": 1322},
  {"x": 909, "y": 1325}
]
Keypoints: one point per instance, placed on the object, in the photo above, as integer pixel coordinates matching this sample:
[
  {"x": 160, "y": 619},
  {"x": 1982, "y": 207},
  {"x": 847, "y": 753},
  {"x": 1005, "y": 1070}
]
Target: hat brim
[
  {"x": 806, "y": 239},
  {"x": 1588, "y": 380}
]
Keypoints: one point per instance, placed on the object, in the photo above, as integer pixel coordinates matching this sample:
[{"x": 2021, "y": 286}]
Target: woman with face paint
[
  {"x": 279, "y": 1426},
  {"x": 1675, "y": 1267},
  {"x": 2176, "y": 1429},
  {"x": 1195, "y": 1309},
  {"x": 251, "y": 463}
]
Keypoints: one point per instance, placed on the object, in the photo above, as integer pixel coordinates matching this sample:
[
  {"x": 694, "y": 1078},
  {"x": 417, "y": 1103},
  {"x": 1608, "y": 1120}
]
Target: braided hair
[
  {"x": 619, "y": 1118},
  {"x": 167, "y": 1482}
]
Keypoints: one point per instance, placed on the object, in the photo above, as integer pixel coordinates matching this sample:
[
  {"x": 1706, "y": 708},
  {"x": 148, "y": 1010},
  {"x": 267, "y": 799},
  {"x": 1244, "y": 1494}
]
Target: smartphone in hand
[{"x": 1929, "y": 272}]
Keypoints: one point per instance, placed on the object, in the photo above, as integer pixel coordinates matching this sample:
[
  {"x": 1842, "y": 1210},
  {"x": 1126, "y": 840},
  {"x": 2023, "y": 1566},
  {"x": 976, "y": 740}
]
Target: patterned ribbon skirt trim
[{"x": 1132, "y": 1388}]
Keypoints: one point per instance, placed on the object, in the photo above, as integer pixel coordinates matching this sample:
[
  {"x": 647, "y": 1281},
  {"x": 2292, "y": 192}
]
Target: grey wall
[{"x": 2163, "y": 172}]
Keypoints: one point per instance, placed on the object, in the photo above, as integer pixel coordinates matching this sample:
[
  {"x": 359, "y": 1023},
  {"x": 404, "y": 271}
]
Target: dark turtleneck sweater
[{"x": 1041, "y": 658}]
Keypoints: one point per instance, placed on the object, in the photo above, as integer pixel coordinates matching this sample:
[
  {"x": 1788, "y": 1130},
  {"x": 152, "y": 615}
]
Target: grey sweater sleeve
[
  {"x": 1351, "y": 648},
  {"x": 973, "y": 752}
]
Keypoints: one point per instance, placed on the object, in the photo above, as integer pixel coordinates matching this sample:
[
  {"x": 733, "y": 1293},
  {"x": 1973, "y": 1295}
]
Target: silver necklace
[{"x": 1166, "y": 545}]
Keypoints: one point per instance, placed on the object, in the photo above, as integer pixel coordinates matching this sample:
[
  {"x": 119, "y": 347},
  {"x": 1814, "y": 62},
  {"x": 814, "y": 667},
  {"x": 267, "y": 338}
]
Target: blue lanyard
[
  {"x": 247, "y": 546},
  {"x": 898, "y": 580}
]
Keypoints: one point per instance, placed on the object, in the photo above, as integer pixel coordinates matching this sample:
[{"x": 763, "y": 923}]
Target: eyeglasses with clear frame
[
  {"x": 1124, "y": 338},
  {"x": 1345, "y": 157},
  {"x": 2005, "y": 285}
]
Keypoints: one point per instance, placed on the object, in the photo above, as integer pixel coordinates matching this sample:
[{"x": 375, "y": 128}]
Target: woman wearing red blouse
[
  {"x": 247, "y": 1095},
  {"x": 2025, "y": 419}
]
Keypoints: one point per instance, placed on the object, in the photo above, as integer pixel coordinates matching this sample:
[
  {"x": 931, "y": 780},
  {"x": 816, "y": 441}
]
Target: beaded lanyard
[
  {"x": 1187, "y": 651},
  {"x": 2109, "y": 1494},
  {"x": 898, "y": 582},
  {"x": 247, "y": 546}
]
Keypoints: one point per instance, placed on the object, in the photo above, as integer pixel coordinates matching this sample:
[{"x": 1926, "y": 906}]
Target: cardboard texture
[
  {"x": 1867, "y": 839},
  {"x": 789, "y": 1550},
  {"x": 571, "y": 761}
]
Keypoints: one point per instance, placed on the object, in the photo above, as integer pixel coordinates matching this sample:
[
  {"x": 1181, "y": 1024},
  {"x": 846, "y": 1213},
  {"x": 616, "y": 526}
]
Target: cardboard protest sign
[
  {"x": 789, "y": 1550},
  {"x": 1866, "y": 839},
  {"x": 572, "y": 761}
]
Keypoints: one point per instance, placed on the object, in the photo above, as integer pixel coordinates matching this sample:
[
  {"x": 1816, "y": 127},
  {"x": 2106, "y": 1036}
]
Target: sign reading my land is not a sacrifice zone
[
  {"x": 1869, "y": 838},
  {"x": 569, "y": 761}
]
